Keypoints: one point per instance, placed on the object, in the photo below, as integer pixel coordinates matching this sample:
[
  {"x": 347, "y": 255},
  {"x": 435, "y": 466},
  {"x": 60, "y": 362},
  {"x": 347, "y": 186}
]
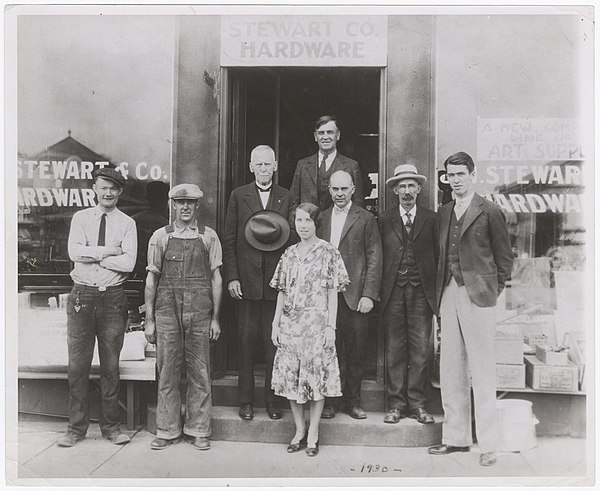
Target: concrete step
[{"x": 341, "y": 430}]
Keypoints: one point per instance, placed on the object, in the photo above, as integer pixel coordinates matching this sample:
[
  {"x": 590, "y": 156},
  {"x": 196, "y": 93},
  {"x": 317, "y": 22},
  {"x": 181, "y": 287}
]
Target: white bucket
[{"x": 516, "y": 425}]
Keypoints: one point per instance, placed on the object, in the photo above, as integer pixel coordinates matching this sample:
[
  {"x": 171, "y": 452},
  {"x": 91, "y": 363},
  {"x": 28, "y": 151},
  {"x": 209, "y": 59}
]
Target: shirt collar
[
  {"x": 98, "y": 211},
  {"x": 345, "y": 209},
  {"x": 330, "y": 157},
  {"x": 465, "y": 201},
  {"x": 264, "y": 188},
  {"x": 180, "y": 228},
  {"x": 412, "y": 211}
]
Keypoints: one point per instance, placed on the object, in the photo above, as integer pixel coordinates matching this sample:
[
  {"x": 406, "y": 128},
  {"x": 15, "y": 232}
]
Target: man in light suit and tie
[
  {"x": 408, "y": 302},
  {"x": 311, "y": 179},
  {"x": 475, "y": 262},
  {"x": 354, "y": 231},
  {"x": 253, "y": 242}
]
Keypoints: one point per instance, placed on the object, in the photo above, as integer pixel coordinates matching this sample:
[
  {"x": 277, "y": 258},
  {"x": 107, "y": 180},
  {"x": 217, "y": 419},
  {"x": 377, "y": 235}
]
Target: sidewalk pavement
[{"x": 37, "y": 460}]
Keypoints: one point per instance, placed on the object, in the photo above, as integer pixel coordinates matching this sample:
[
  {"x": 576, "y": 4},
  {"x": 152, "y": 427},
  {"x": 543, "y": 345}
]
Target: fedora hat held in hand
[{"x": 267, "y": 230}]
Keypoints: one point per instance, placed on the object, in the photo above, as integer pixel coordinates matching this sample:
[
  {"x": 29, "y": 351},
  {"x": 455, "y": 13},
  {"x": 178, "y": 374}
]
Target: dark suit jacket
[
  {"x": 241, "y": 261},
  {"x": 305, "y": 187},
  {"x": 426, "y": 249},
  {"x": 360, "y": 248},
  {"x": 485, "y": 252}
]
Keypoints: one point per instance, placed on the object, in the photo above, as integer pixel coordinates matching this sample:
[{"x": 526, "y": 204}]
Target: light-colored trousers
[{"x": 467, "y": 347}]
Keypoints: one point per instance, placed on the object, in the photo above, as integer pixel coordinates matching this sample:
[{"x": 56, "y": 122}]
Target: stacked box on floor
[{"x": 510, "y": 371}]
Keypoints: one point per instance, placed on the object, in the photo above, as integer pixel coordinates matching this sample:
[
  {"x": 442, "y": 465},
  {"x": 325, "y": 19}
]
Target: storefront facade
[{"x": 405, "y": 89}]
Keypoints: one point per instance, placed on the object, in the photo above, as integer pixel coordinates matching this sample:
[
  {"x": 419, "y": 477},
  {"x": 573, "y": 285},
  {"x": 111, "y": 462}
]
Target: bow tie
[
  {"x": 264, "y": 190},
  {"x": 339, "y": 211}
]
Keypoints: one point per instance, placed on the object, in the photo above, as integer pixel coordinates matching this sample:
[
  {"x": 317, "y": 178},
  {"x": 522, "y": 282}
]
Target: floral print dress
[{"x": 303, "y": 368}]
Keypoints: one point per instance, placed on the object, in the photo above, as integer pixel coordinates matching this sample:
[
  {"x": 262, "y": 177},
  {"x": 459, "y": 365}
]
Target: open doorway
[{"x": 278, "y": 106}]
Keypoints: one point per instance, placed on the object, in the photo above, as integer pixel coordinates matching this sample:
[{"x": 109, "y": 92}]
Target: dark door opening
[{"x": 278, "y": 106}]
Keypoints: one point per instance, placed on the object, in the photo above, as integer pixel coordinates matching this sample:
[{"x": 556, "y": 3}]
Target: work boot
[{"x": 70, "y": 439}]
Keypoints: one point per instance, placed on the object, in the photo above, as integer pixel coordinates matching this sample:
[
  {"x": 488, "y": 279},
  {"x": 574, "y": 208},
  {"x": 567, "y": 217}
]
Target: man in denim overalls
[{"x": 182, "y": 297}]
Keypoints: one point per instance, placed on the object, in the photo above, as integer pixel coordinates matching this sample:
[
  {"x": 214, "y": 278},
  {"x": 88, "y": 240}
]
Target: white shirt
[
  {"x": 404, "y": 213},
  {"x": 338, "y": 218},
  {"x": 328, "y": 160},
  {"x": 90, "y": 267},
  {"x": 264, "y": 195},
  {"x": 462, "y": 204}
]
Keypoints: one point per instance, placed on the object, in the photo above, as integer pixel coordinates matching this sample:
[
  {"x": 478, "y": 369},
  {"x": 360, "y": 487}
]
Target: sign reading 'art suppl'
[{"x": 304, "y": 41}]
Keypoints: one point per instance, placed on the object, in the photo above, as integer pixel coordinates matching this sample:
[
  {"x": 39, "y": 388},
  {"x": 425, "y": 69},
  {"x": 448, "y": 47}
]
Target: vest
[
  {"x": 408, "y": 271},
  {"x": 452, "y": 257}
]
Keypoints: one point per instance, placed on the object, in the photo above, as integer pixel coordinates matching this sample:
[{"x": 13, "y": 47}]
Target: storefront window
[{"x": 111, "y": 104}]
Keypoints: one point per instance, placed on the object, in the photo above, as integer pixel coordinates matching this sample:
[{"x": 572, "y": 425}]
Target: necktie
[
  {"x": 323, "y": 166},
  {"x": 102, "y": 231},
  {"x": 408, "y": 224}
]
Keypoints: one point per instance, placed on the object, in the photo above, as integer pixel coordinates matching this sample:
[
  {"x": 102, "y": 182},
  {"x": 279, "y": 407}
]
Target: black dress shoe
[
  {"x": 422, "y": 416},
  {"x": 313, "y": 451},
  {"x": 328, "y": 412},
  {"x": 394, "y": 415},
  {"x": 446, "y": 449},
  {"x": 274, "y": 412},
  {"x": 246, "y": 412},
  {"x": 296, "y": 447},
  {"x": 355, "y": 412}
]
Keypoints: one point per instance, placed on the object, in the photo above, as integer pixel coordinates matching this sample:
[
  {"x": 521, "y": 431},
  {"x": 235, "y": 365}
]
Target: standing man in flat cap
[
  {"x": 353, "y": 231},
  {"x": 182, "y": 298},
  {"x": 311, "y": 179},
  {"x": 253, "y": 242},
  {"x": 102, "y": 245},
  {"x": 475, "y": 262},
  {"x": 410, "y": 254}
]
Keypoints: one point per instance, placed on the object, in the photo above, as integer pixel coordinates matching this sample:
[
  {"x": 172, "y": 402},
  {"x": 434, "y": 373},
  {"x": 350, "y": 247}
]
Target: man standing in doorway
[
  {"x": 410, "y": 254},
  {"x": 182, "y": 298},
  {"x": 311, "y": 179},
  {"x": 353, "y": 230},
  {"x": 253, "y": 242},
  {"x": 102, "y": 245},
  {"x": 475, "y": 262}
]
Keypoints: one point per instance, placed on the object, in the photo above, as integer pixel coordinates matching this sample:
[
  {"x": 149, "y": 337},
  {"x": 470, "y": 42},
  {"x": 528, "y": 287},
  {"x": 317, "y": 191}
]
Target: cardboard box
[
  {"x": 536, "y": 338},
  {"x": 510, "y": 376},
  {"x": 549, "y": 357},
  {"x": 509, "y": 350},
  {"x": 540, "y": 376}
]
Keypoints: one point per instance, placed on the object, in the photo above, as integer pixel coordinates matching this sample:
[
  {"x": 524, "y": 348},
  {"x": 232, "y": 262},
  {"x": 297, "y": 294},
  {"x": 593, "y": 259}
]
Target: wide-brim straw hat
[{"x": 406, "y": 171}]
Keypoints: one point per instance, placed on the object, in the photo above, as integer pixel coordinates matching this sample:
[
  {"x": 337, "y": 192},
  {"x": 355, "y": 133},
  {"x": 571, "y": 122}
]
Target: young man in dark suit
[
  {"x": 353, "y": 230},
  {"x": 410, "y": 253},
  {"x": 311, "y": 179},
  {"x": 249, "y": 266},
  {"x": 475, "y": 262}
]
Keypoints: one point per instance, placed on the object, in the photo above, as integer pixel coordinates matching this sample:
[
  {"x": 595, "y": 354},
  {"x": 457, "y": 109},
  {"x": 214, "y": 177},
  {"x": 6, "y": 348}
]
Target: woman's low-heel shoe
[
  {"x": 313, "y": 451},
  {"x": 296, "y": 447}
]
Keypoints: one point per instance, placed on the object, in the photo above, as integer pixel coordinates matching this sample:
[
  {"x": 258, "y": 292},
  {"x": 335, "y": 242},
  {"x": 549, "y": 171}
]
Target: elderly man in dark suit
[
  {"x": 410, "y": 253},
  {"x": 249, "y": 266},
  {"x": 354, "y": 232},
  {"x": 475, "y": 262},
  {"x": 311, "y": 179}
]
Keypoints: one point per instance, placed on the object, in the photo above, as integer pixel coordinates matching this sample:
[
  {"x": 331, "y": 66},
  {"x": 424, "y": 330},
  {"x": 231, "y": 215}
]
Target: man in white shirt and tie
[
  {"x": 250, "y": 256},
  {"x": 103, "y": 247},
  {"x": 354, "y": 232},
  {"x": 312, "y": 175},
  {"x": 408, "y": 301}
]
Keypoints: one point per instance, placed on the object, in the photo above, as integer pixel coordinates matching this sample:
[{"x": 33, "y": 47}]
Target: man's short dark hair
[
  {"x": 324, "y": 120},
  {"x": 312, "y": 210},
  {"x": 460, "y": 158}
]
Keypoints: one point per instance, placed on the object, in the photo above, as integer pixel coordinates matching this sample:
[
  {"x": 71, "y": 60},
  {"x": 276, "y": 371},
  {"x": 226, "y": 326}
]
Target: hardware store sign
[{"x": 304, "y": 41}]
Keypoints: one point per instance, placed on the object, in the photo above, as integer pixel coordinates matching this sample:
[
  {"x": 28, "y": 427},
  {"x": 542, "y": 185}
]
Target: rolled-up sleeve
[
  {"x": 156, "y": 251},
  {"x": 215, "y": 251}
]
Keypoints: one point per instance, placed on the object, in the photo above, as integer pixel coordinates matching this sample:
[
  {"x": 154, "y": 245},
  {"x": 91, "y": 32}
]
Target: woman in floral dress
[{"x": 309, "y": 276}]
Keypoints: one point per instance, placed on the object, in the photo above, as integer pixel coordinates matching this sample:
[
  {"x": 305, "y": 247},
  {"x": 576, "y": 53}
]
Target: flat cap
[
  {"x": 185, "y": 191},
  {"x": 111, "y": 174}
]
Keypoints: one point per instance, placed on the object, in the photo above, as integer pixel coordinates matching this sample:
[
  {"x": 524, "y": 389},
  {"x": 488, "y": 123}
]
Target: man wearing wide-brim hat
[
  {"x": 408, "y": 296},
  {"x": 182, "y": 299},
  {"x": 256, "y": 233}
]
